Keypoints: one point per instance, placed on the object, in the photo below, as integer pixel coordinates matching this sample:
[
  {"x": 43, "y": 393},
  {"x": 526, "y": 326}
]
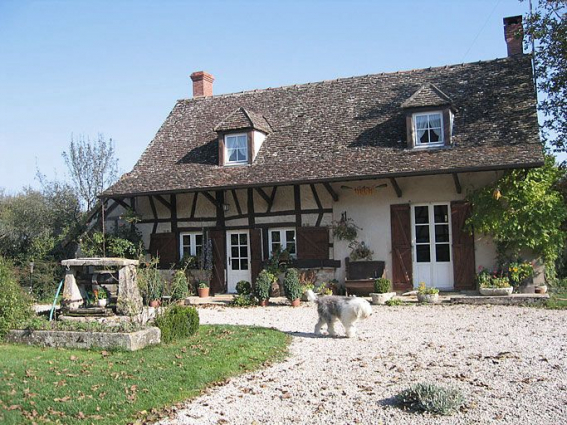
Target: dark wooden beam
[
  {"x": 331, "y": 191},
  {"x": 219, "y": 194},
  {"x": 297, "y": 202},
  {"x": 272, "y": 198},
  {"x": 194, "y": 205},
  {"x": 319, "y": 219},
  {"x": 457, "y": 183},
  {"x": 163, "y": 201},
  {"x": 174, "y": 223},
  {"x": 110, "y": 208},
  {"x": 251, "y": 220},
  {"x": 154, "y": 213},
  {"x": 210, "y": 198},
  {"x": 396, "y": 187},
  {"x": 265, "y": 197},
  {"x": 121, "y": 202},
  {"x": 236, "y": 202},
  {"x": 316, "y": 196}
]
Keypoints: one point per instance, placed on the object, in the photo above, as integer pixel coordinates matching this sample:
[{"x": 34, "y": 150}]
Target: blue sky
[{"x": 117, "y": 67}]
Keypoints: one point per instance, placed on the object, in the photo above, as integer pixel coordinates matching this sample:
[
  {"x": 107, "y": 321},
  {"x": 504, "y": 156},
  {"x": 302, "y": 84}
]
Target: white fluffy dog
[{"x": 348, "y": 310}]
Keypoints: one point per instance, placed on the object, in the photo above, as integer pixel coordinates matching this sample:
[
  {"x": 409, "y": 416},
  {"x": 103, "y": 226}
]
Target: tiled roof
[
  {"x": 427, "y": 95},
  {"x": 240, "y": 119},
  {"x": 348, "y": 128}
]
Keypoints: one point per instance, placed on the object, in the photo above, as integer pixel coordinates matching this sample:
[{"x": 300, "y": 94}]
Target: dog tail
[{"x": 311, "y": 296}]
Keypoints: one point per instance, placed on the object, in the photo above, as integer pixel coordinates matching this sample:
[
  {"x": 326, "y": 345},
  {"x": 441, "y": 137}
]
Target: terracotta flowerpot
[
  {"x": 263, "y": 303},
  {"x": 203, "y": 292},
  {"x": 296, "y": 302},
  {"x": 155, "y": 303},
  {"x": 541, "y": 289}
]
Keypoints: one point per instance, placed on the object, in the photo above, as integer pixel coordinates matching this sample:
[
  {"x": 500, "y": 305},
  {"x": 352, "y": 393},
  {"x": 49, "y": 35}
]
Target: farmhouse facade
[{"x": 396, "y": 153}]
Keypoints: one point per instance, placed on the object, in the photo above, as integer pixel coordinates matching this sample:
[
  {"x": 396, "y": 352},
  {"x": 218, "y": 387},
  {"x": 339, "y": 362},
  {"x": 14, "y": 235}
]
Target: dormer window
[
  {"x": 429, "y": 118},
  {"x": 236, "y": 146},
  {"x": 240, "y": 136},
  {"x": 428, "y": 129}
]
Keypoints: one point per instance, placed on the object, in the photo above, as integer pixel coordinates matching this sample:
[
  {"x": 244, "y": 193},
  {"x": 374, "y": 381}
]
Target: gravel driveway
[{"x": 511, "y": 362}]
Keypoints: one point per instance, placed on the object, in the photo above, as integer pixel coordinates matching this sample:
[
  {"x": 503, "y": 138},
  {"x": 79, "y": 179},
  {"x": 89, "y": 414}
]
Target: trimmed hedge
[{"x": 177, "y": 322}]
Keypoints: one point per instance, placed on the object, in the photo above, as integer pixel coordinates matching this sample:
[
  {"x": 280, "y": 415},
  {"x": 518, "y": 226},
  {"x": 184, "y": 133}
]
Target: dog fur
[{"x": 348, "y": 310}]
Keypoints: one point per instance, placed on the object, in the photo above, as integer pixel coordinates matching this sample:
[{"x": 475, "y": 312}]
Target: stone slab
[
  {"x": 514, "y": 299},
  {"x": 71, "y": 339},
  {"x": 99, "y": 262}
]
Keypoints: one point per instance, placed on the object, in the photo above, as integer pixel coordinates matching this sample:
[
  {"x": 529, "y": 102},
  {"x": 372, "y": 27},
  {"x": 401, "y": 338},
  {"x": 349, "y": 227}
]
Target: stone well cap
[{"x": 104, "y": 261}]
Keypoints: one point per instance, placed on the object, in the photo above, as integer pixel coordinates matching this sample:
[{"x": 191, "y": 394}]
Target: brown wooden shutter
[
  {"x": 164, "y": 246},
  {"x": 255, "y": 253},
  {"x": 312, "y": 243},
  {"x": 463, "y": 247},
  {"x": 401, "y": 247},
  {"x": 218, "y": 283}
]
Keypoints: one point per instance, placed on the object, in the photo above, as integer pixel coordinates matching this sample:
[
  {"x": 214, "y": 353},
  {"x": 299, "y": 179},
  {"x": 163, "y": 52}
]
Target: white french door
[
  {"x": 238, "y": 258},
  {"x": 431, "y": 240}
]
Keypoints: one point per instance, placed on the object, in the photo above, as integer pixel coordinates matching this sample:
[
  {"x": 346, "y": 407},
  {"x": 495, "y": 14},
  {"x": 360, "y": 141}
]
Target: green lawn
[
  {"x": 117, "y": 387},
  {"x": 557, "y": 300}
]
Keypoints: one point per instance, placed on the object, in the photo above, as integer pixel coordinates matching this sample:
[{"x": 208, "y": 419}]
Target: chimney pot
[
  {"x": 514, "y": 35},
  {"x": 202, "y": 84}
]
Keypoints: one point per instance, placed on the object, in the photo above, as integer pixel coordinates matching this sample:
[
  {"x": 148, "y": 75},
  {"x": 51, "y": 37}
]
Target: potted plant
[
  {"x": 427, "y": 294},
  {"x": 307, "y": 280},
  {"x": 203, "y": 289},
  {"x": 292, "y": 288},
  {"x": 360, "y": 251},
  {"x": 102, "y": 298},
  {"x": 382, "y": 291},
  {"x": 345, "y": 229},
  {"x": 497, "y": 286},
  {"x": 263, "y": 286}
]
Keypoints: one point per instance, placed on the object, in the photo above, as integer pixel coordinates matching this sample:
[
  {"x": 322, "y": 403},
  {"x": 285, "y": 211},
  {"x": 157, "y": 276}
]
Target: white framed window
[
  {"x": 236, "y": 148},
  {"x": 283, "y": 239},
  {"x": 190, "y": 243},
  {"x": 428, "y": 129}
]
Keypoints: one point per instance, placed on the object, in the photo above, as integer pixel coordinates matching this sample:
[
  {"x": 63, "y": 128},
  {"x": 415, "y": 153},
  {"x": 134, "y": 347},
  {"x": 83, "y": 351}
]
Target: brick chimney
[
  {"x": 514, "y": 35},
  {"x": 202, "y": 84}
]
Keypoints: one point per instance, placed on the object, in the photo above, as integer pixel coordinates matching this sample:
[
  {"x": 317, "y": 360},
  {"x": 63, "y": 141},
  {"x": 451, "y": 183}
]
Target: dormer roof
[
  {"x": 241, "y": 119},
  {"x": 427, "y": 95}
]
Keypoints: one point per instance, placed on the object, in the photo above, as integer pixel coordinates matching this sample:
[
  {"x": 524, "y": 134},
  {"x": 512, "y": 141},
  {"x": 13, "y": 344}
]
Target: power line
[{"x": 481, "y": 29}]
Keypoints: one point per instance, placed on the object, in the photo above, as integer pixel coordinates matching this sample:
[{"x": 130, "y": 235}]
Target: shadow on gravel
[{"x": 312, "y": 335}]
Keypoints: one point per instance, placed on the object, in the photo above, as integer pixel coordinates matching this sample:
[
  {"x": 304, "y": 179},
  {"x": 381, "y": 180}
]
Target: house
[{"x": 395, "y": 152}]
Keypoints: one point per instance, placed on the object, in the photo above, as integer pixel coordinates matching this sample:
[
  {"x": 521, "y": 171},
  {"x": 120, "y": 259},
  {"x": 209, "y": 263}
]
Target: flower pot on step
[
  {"x": 428, "y": 298},
  {"x": 203, "y": 292},
  {"x": 496, "y": 291},
  {"x": 296, "y": 302}
]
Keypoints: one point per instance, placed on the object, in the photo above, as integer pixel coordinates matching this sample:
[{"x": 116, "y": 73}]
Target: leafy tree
[
  {"x": 92, "y": 166},
  {"x": 547, "y": 29},
  {"x": 523, "y": 210}
]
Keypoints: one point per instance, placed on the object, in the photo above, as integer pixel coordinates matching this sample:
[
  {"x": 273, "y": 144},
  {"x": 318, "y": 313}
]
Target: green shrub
[
  {"x": 243, "y": 300},
  {"x": 431, "y": 398},
  {"x": 263, "y": 285},
  {"x": 394, "y": 301},
  {"x": 243, "y": 287},
  {"x": 291, "y": 285},
  {"x": 15, "y": 305},
  {"x": 177, "y": 322},
  {"x": 382, "y": 285},
  {"x": 179, "y": 286}
]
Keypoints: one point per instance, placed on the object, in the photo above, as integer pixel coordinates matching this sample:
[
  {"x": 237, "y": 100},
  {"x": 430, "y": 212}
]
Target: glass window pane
[
  {"x": 442, "y": 253},
  {"x": 421, "y": 215},
  {"x": 243, "y": 239},
  {"x": 232, "y": 155},
  {"x": 234, "y": 252},
  {"x": 234, "y": 239},
  {"x": 423, "y": 254},
  {"x": 441, "y": 233},
  {"x": 434, "y": 136},
  {"x": 198, "y": 251},
  {"x": 198, "y": 239},
  {"x": 440, "y": 213},
  {"x": 422, "y": 234},
  {"x": 290, "y": 235},
  {"x": 276, "y": 246},
  {"x": 291, "y": 247},
  {"x": 243, "y": 264},
  {"x": 235, "y": 264},
  {"x": 243, "y": 252},
  {"x": 434, "y": 120},
  {"x": 276, "y": 236},
  {"x": 186, "y": 240},
  {"x": 421, "y": 122}
]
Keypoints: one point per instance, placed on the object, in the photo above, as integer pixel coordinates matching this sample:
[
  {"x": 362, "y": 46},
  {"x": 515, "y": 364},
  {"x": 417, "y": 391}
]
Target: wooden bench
[{"x": 360, "y": 276}]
